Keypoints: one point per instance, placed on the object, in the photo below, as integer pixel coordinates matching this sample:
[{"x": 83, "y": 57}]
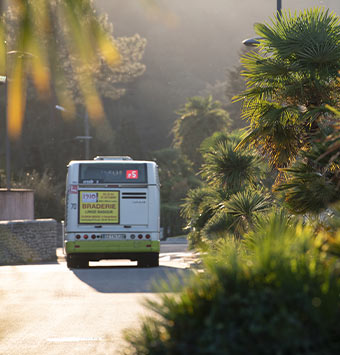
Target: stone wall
[{"x": 28, "y": 241}]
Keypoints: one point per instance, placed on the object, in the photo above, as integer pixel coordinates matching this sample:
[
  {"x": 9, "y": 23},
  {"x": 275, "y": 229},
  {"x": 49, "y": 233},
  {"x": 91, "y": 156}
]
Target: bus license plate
[{"x": 114, "y": 236}]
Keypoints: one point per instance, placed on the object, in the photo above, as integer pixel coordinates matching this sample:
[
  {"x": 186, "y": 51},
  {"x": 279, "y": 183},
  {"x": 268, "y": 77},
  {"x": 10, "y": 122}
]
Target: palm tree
[
  {"x": 198, "y": 119},
  {"x": 313, "y": 183},
  {"x": 227, "y": 203},
  {"x": 228, "y": 169},
  {"x": 199, "y": 206},
  {"x": 291, "y": 82},
  {"x": 238, "y": 214}
]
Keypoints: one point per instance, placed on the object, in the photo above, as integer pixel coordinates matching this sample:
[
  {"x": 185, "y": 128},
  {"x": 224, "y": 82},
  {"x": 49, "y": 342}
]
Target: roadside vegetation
[
  {"x": 266, "y": 211},
  {"x": 274, "y": 292},
  {"x": 261, "y": 204}
]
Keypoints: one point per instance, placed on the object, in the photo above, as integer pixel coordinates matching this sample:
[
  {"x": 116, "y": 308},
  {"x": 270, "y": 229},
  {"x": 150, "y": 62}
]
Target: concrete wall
[
  {"x": 28, "y": 241},
  {"x": 16, "y": 204}
]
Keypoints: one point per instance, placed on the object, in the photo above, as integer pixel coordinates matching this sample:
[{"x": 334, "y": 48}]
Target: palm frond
[
  {"x": 246, "y": 204},
  {"x": 310, "y": 38},
  {"x": 307, "y": 190},
  {"x": 228, "y": 168},
  {"x": 275, "y": 131},
  {"x": 220, "y": 225}
]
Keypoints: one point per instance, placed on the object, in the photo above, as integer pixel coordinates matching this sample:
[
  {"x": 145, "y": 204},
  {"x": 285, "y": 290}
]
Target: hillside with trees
[{"x": 261, "y": 205}]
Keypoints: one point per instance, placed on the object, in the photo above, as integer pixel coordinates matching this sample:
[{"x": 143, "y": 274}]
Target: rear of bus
[{"x": 112, "y": 211}]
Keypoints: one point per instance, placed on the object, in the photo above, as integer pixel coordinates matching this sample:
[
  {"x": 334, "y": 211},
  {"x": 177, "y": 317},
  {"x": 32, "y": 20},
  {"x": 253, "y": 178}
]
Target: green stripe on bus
[{"x": 110, "y": 246}]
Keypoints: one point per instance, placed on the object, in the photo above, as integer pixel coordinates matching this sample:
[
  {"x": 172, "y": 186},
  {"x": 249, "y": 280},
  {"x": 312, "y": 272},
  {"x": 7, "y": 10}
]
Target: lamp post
[
  {"x": 4, "y": 80},
  {"x": 8, "y": 143},
  {"x": 86, "y": 138},
  {"x": 279, "y": 9},
  {"x": 253, "y": 42}
]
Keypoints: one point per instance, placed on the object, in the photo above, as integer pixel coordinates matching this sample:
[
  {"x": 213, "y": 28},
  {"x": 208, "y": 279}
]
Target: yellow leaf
[
  {"x": 109, "y": 51},
  {"x": 94, "y": 107},
  {"x": 41, "y": 76},
  {"x": 16, "y": 101}
]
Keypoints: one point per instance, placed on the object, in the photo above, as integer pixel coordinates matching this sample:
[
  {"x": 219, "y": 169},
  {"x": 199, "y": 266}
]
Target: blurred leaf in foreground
[{"x": 31, "y": 52}]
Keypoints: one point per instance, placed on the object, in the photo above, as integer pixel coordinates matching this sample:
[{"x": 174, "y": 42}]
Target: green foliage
[
  {"x": 199, "y": 206},
  {"x": 309, "y": 39},
  {"x": 175, "y": 173},
  {"x": 313, "y": 182},
  {"x": 292, "y": 82},
  {"x": 176, "y": 177},
  {"x": 228, "y": 203},
  {"x": 230, "y": 169},
  {"x": 171, "y": 220},
  {"x": 298, "y": 59},
  {"x": 237, "y": 215},
  {"x": 198, "y": 119},
  {"x": 48, "y": 194},
  {"x": 218, "y": 137},
  {"x": 273, "y": 134},
  {"x": 307, "y": 191},
  {"x": 276, "y": 223},
  {"x": 328, "y": 239},
  {"x": 244, "y": 205},
  {"x": 275, "y": 295},
  {"x": 219, "y": 226}
]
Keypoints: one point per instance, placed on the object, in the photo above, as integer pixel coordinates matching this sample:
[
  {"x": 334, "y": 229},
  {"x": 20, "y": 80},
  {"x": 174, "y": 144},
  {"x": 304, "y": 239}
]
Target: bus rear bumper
[
  {"x": 112, "y": 247},
  {"x": 111, "y": 256}
]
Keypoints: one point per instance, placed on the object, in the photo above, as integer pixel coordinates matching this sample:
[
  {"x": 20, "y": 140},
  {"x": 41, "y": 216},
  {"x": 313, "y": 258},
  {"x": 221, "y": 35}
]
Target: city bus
[{"x": 112, "y": 211}]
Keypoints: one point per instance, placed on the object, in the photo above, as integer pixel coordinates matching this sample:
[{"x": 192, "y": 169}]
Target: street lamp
[
  {"x": 255, "y": 41},
  {"x": 252, "y": 42},
  {"x": 279, "y": 9},
  {"x": 4, "y": 80},
  {"x": 86, "y": 137}
]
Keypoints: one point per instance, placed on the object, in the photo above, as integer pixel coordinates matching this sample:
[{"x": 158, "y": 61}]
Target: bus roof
[
  {"x": 110, "y": 161},
  {"x": 112, "y": 157}
]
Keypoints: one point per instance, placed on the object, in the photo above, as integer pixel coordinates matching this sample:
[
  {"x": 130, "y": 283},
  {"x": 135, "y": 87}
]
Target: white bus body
[{"x": 112, "y": 211}]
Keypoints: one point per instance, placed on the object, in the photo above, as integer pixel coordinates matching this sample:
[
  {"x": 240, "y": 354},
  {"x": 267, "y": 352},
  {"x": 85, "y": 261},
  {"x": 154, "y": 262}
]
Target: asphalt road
[{"x": 49, "y": 309}]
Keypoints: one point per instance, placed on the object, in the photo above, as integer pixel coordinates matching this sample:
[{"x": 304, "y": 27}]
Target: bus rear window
[{"x": 112, "y": 173}]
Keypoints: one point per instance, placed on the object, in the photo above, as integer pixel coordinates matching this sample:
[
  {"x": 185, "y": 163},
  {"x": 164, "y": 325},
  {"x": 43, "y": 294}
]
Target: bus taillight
[
  {"x": 86, "y": 236},
  {"x": 93, "y": 236},
  {"x": 148, "y": 236},
  {"x": 140, "y": 236},
  {"x": 132, "y": 236},
  {"x": 77, "y": 236}
]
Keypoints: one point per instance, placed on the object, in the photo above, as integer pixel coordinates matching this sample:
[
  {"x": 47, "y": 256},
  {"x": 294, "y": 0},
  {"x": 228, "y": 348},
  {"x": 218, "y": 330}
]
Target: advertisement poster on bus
[{"x": 99, "y": 207}]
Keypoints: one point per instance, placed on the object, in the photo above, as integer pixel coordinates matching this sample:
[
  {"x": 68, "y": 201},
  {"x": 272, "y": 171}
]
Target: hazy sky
[
  {"x": 197, "y": 29},
  {"x": 190, "y": 43}
]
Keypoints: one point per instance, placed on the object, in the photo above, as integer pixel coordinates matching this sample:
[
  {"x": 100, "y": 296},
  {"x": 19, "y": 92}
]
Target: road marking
[{"x": 72, "y": 339}]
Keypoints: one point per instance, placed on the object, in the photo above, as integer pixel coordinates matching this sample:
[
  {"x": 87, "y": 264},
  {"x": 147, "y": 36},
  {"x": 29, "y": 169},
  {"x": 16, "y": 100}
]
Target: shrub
[
  {"x": 48, "y": 194},
  {"x": 171, "y": 221},
  {"x": 273, "y": 294}
]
